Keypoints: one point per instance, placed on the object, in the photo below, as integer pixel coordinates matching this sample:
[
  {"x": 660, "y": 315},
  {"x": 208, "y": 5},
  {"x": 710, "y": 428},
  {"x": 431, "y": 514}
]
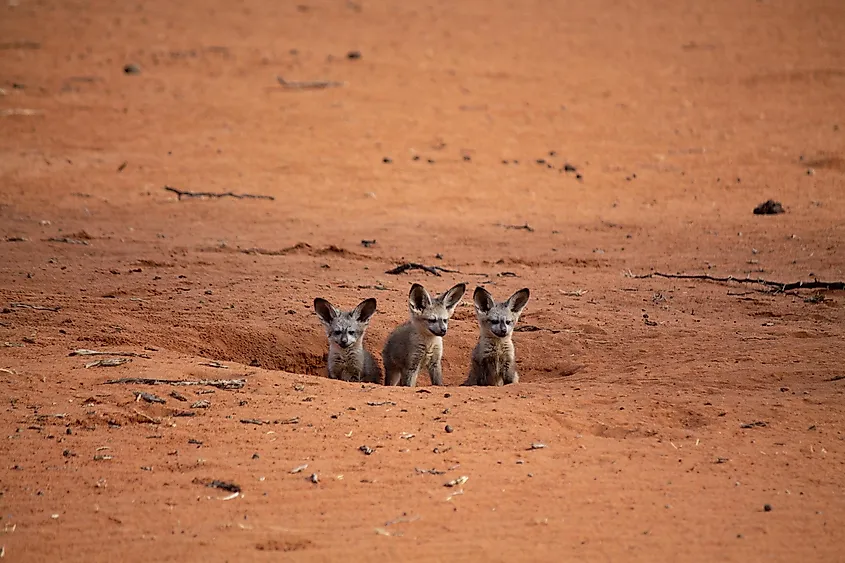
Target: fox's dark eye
[
  {"x": 336, "y": 332},
  {"x": 508, "y": 322},
  {"x": 432, "y": 320}
]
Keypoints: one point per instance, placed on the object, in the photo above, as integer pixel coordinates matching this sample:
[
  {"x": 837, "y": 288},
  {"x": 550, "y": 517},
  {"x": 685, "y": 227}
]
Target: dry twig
[
  {"x": 309, "y": 84},
  {"x": 35, "y": 307},
  {"x": 415, "y": 266},
  {"x": 778, "y": 287},
  {"x": 182, "y": 193},
  {"x": 84, "y": 352}
]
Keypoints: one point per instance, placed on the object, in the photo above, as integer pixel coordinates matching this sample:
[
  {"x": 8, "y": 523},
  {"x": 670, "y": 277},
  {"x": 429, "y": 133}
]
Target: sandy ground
[{"x": 672, "y": 411}]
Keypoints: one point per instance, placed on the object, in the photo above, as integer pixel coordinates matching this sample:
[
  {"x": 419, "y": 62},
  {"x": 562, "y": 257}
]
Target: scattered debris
[
  {"x": 767, "y": 507},
  {"x": 148, "y": 397},
  {"x": 525, "y": 227},
  {"x": 757, "y": 424},
  {"x": 182, "y": 193},
  {"x": 309, "y": 84},
  {"x": 367, "y": 243},
  {"x": 227, "y": 384},
  {"x": 429, "y": 471},
  {"x": 457, "y": 482},
  {"x": 770, "y": 207},
  {"x": 108, "y": 362},
  {"x": 720, "y": 460},
  {"x": 353, "y": 55},
  {"x": 401, "y": 519},
  {"x": 254, "y": 421},
  {"x": 178, "y": 396},
  {"x": 68, "y": 240},
  {"x": 214, "y": 365},
  {"x": 84, "y": 352},
  {"x": 380, "y": 403},
  {"x": 294, "y": 420},
  {"x": 314, "y": 478},
  {"x": 537, "y": 446},
  {"x": 34, "y": 307},
  {"x": 131, "y": 69},
  {"x": 224, "y": 485},
  {"x": 367, "y": 450},
  {"x": 184, "y": 413},
  {"x": 203, "y": 404},
  {"x": 102, "y": 457},
  {"x": 19, "y": 111},
  {"x": 435, "y": 270},
  {"x": 299, "y": 469}
]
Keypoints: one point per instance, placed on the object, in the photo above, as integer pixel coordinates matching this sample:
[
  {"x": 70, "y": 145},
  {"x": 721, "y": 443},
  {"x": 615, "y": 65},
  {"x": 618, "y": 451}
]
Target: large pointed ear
[
  {"x": 518, "y": 300},
  {"x": 452, "y": 297},
  {"x": 418, "y": 298},
  {"x": 483, "y": 300},
  {"x": 365, "y": 310},
  {"x": 325, "y": 310}
]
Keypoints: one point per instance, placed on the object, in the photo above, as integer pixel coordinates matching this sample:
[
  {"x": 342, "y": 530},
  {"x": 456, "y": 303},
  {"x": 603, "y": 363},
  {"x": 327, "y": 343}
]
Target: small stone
[
  {"x": 387, "y": 160},
  {"x": 449, "y": 429},
  {"x": 767, "y": 507},
  {"x": 353, "y": 55},
  {"x": 131, "y": 68},
  {"x": 255, "y": 456},
  {"x": 467, "y": 158}
]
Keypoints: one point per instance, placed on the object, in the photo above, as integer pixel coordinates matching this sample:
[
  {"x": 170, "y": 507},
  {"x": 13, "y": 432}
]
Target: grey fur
[
  {"x": 494, "y": 358},
  {"x": 419, "y": 341},
  {"x": 348, "y": 360}
]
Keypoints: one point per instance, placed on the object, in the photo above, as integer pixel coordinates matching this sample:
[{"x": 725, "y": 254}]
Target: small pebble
[
  {"x": 767, "y": 507},
  {"x": 353, "y": 55},
  {"x": 387, "y": 160},
  {"x": 131, "y": 68},
  {"x": 255, "y": 456},
  {"x": 449, "y": 429}
]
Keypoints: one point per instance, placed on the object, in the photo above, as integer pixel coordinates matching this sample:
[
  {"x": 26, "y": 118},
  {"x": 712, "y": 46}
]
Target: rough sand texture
[{"x": 681, "y": 117}]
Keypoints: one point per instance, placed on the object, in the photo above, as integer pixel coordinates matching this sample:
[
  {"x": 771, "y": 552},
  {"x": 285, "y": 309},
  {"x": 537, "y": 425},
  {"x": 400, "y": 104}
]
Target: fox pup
[
  {"x": 348, "y": 360},
  {"x": 493, "y": 359},
  {"x": 419, "y": 342}
]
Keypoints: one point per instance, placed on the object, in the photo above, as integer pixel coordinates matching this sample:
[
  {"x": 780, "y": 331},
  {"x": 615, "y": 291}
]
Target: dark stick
[
  {"x": 183, "y": 193},
  {"x": 525, "y": 227},
  {"x": 414, "y": 266},
  {"x": 815, "y": 284}
]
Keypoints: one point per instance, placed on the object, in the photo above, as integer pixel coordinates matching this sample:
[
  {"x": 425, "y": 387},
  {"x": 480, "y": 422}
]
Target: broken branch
[
  {"x": 414, "y": 266},
  {"x": 34, "y": 307},
  {"x": 778, "y": 286},
  {"x": 182, "y": 193}
]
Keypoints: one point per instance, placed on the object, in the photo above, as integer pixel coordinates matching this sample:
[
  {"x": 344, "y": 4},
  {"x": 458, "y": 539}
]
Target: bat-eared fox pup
[
  {"x": 419, "y": 342},
  {"x": 493, "y": 359},
  {"x": 348, "y": 360}
]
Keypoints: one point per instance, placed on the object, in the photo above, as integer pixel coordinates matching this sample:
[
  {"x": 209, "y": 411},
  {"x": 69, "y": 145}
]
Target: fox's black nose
[
  {"x": 500, "y": 332},
  {"x": 439, "y": 331}
]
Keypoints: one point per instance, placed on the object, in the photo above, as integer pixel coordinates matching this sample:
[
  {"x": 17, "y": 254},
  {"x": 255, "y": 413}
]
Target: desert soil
[{"x": 682, "y": 419}]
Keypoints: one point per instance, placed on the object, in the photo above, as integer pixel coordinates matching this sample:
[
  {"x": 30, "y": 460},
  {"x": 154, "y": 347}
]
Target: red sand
[{"x": 681, "y": 117}]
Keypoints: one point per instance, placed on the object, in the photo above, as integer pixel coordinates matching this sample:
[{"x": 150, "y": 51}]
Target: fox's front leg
[
  {"x": 510, "y": 374},
  {"x": 435, "y": 370}
]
